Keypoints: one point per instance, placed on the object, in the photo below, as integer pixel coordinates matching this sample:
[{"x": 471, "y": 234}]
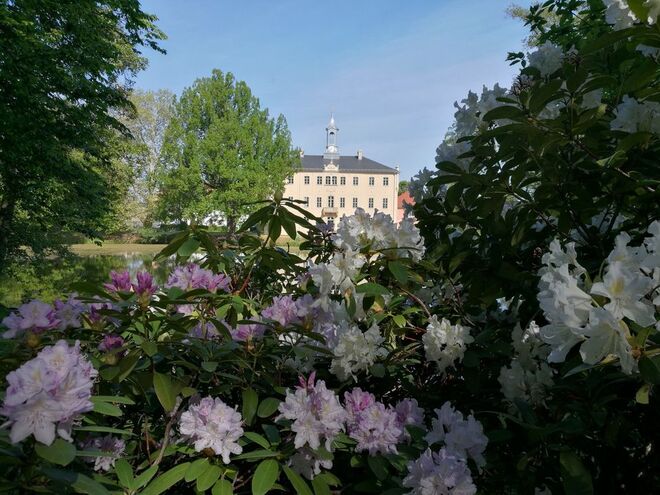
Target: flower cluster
[
  {"x": 48, "y": 394},
  {"x": 621, "y": 16},
  {"x": 599, "y": 326},
  {"x": 528, "y": 376},
  {"x": 35, "y": 317},
  {"x": 212, "y": 424},
  {"x": 445, "y": 343},
  {"x": 379, "y": 233},
  {"x": 439, "y": 473},
  {"x": 316, "y": 413},
  {"x": 192, "y": 276},
  {"x": 355, "y": 350},
  {"x": 113, "y": 447},
  {"x": 374, "y": 426},
  {"x": 338, "y": 274},
  {"x": 548, "y": 58},
  {"x": 634, "y": 116}
]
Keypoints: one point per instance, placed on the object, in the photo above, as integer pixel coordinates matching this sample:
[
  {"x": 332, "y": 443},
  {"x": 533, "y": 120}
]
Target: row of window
[
  {"x": 342, "y": 202},
  {"x": 331, "y": 180}
]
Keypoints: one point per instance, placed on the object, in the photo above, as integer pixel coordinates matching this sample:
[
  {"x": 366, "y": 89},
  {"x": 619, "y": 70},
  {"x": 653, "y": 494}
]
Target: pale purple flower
[
  {"x": 69, "y": 312},
  {"x": 205, "y": 331},
  {"x": 119, "y": 282},
  {"x": 283, "y": 310},
  {"x": 316, "y": 413},
  {"x": 191, "y": 276},
  {"x": 47, "y": 394},
  {"x": 212, "y": 424},
  {"x": 307, "y": 463},
  {"x": 111, "y": 342},
  {"x": 441, "y": 473},
  {"x": 95, "y": 315},
  {"x": 376, "y": 429},
  {"x": 357, "y": 401},
  {"x": 113, "y": 446},
  {"x": 462, "y": 437},
  {"x": 35, "y": 317},
  {"x": 408, "y": 413},
  {"x": 247, "y": 331}
]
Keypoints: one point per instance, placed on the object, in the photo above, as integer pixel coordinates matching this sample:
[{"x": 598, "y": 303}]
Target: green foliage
[
  {"x": 62, "y": 66},
  {"x": 222, "y": 152}
]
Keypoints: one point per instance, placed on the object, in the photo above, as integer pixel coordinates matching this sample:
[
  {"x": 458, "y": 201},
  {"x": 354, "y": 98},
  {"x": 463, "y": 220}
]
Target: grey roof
[{"x": 316, "y": 163}]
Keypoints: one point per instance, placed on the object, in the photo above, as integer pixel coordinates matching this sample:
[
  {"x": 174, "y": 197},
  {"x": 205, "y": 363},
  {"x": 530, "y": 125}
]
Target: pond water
[{"x": 54, "y": 278}]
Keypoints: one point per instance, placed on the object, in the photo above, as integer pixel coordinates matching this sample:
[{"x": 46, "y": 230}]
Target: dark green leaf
[
  {"x": 265, "y": 476},
  {"x": 267, "y": 407},
  {"x": 250, "y": 402},
  {"x": 166, "y": 480},
  {"x": 299, "y": 484},
  {"x": 59, "y": 452}
]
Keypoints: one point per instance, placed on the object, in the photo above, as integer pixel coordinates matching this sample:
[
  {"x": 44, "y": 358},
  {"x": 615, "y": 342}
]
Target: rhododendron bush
[{"x": 513, "y": 348}]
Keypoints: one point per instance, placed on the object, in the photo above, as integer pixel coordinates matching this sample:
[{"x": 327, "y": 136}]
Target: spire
[{"x": 331, "y": 148}]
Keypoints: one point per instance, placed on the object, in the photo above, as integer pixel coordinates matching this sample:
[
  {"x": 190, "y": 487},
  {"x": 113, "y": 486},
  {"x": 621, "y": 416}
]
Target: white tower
[{"x": 331, "y": 148}]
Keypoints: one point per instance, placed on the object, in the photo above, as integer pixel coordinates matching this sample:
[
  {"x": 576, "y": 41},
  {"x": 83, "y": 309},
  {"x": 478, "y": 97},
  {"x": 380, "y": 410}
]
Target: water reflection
[{"x": 54, "y": 278}]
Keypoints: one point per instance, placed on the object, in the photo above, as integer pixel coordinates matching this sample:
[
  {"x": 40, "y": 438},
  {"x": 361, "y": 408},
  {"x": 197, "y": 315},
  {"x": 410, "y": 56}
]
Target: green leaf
[
  {"x": 145, "y": 477},
  {"x": 265, "y": 476},
  {"x": 575, "y": 477},
  {"x": 642, "y": 395},
  {"x": 258, "y": 439},
  {"x": 258, "y": 216},
  {"x": 372, "y": 289},
  {"x": 274, "y": 228},
  {"x": 399, "y": 271},
  {"x": 196, "y": 468},
  {"x": 166, "y": 480},
  {"x": 297, "y": 482},
  {"x": 399, "y": 320},
  {"x": 59, "y": 452},
  {"x": 165, "y": 391},
  {"x": 106, "y": 408},
  {"x": 288, "y": 224},
  {"x": 256, "y": 454},
  {"x": 267, "y": 407},
  {"x": 116, "y": 399},
  {"x": 222, "y": 487},
  {"x": 503, "y": 112},
  {"x": 208, "y": 478},
  {"x": 320, "y": 486},
  {"x": 188, "y": 248},
  {"x": 83, "y": 484},
  {"x": 378, "y": 466},
  {"x": 250, "y": 401},
  {"x": 649, "y": 368},
  {"x": 543, "y": 95},
  {"x": 104, "y": 429},
  {"x": 149, "y": 348},
  {"x": 124, "y": 473}
]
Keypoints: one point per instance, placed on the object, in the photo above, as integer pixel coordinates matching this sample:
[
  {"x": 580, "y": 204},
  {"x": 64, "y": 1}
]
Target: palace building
[{"x": 334, "y": 185}]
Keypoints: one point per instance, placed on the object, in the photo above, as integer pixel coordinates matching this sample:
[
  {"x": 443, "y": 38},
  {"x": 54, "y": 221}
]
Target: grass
[{"x": 115, "y": 249}]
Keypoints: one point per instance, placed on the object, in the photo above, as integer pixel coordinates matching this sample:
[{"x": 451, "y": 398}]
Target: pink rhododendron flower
[
  {"x": 191, "y": 276},
  {"x": 119, "y": 282}
]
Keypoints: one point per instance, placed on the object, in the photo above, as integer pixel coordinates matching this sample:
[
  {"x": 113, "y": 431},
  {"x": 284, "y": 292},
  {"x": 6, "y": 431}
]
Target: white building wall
[{"x": 362, "y": 192}]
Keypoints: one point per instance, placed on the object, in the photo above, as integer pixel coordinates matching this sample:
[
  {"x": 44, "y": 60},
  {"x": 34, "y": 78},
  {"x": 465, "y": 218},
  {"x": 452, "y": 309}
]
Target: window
[
  {"x": 372, "y": 181},
  {"x": 355, "y": 181},
  {"x": 319, "y": 180},
  {"x": 289, "y": 179},
  {"x": 386, "y": 181},
  {"x": 371, "y": 202},
  {"x": 319, "y": 202},
  {"x": 384, "y": 202},
  {"x": 355, "y": 203},
  {"x": 306, "y": 200},
  {"x": 342, "y": 181},
  {"x": 327, "y": 180},
  {"x": 334, "y": 180},
  {"x": 342, "y": 202},
  {"x": 291, "y": 198},
  {"x": 331, "y": 201},
  {"x": 307, "y": 179}
]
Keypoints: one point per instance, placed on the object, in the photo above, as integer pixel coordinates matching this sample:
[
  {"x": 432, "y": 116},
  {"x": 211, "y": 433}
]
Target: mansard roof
[{"x": 316, "y": 163}]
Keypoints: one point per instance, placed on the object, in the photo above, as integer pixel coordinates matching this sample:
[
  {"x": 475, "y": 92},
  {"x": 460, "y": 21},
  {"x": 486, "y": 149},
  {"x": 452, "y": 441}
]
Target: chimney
[
  {"x": 396, "y": 167},
  {"x": 302, "y": 152},
  {"x": 359, "y": 154}
]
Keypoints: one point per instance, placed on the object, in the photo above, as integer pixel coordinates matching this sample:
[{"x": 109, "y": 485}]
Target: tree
[
  {"x": 403, "y": 186},
  {"x": 65, "y": 67},
  {"x": 222, "y": 152},
  {"x": 141, "y": 152}
]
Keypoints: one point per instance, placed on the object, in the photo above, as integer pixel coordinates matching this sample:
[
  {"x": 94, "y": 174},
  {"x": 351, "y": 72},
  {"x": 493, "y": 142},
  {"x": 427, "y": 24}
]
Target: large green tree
[
  {"x": 222, "y": 151},
  {"x": 65, "y": 70}
]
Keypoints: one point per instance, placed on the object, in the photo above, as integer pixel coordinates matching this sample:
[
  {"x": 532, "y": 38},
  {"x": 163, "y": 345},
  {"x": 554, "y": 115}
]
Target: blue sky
[{"x": 389, "y": 69}]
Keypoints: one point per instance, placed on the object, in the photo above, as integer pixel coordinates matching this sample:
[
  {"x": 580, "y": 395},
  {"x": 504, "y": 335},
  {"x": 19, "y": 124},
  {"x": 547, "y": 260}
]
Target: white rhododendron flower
[
  {"x": 445, "y": 343},
  {"x": 634, "y": 116},
  {"x": 356, "y": 350},
  {"x": 607, "y": 336},
  {"x": 212, "y": 424},
  {"x": 548, "y": 58},
  {"x": 618, "y": 14}
]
